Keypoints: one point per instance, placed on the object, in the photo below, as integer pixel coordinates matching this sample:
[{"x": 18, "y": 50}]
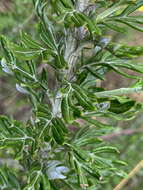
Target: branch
[
  {"x": 22, "y": 25},
  {"x": 82, "y": 5},
  {"x": 131, "y": 174},
  {"x": 72, "y": 42},
  {"x": 123, "y": 132}
]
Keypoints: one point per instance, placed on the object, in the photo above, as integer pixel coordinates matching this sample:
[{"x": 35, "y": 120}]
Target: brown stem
[
  {"x": 131, "y": 174},
  {"x": 123, "y": 132}
]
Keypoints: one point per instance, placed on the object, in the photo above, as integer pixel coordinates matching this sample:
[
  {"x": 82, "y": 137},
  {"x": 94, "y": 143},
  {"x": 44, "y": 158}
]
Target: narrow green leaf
[
  {"x": 117, "y": 107},
  {"x": 57, "y": 133},
  {"x": 106, "y": 149},
  {"x": 83, "y": 98},
  {"x": 66, "y": 113},
  {"x": 95, "y": 122},
  {"x": 107, "y": 13},
  {"x": 132, "y": 7},
  {"x": 29, "y": 42}
]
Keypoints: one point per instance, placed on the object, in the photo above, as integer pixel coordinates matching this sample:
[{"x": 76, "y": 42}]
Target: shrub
[{"x": 61, "y": 145}]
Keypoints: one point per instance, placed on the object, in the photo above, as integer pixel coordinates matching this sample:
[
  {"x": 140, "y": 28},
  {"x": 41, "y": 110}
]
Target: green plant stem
[{"x": 71, "y": 53}]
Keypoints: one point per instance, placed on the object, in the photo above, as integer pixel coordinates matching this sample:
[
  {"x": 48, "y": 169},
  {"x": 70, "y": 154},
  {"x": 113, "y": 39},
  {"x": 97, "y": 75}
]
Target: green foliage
[{"x": 73, "y": 43}]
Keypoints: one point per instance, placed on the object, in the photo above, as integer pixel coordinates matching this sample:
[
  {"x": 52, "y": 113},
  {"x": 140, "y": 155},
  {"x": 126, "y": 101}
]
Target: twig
[
  {"x": 82, "y": 5},
  {"x": 123, "y": 132},
  {"x": 21, "y": 26},
  {"x": 131, "y": 174},
  {"x": 72, "y": 43}
]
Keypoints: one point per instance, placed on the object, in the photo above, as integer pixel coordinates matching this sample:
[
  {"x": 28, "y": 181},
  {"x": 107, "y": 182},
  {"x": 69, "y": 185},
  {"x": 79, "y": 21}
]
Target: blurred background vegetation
[{"x": 17, "y": 15}]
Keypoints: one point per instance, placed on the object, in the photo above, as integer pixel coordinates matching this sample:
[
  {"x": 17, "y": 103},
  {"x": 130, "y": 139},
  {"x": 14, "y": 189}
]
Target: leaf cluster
[{"x": 66, "y": 121}]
